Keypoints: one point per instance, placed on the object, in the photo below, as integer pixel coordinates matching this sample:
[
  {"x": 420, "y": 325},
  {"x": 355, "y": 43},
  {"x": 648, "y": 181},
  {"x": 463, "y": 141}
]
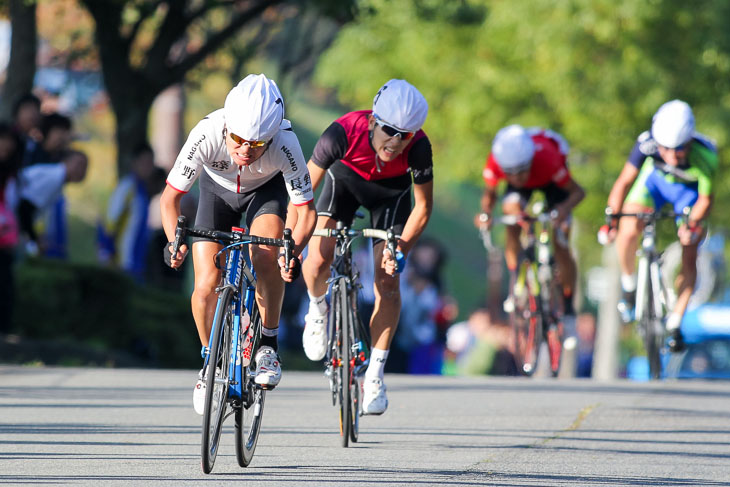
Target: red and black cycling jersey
[
  {"x": 347, "y": 139},
  {"x": 548, "y": 163}
]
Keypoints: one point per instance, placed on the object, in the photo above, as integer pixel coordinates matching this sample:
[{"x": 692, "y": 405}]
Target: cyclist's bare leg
[
  {"x": 207, "y": 277},
  {"x": 316, "y": 267},
  {"x": 627, "y": 238},
  {"x": 270, "y": 286},
  {"x": 567, "y": 267},
  {"x": 686, "y": 279},
  {"x": 512, "y": 246},
  {"x": 386, "y": 312}
]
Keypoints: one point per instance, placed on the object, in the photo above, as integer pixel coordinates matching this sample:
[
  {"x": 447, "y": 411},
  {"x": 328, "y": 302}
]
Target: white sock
[
  {"x": 628, "y": 282},
  {"x": 317, "y": 304},
  {"x": 376, "y": 369},
  {"x": 673, "y": 321}
]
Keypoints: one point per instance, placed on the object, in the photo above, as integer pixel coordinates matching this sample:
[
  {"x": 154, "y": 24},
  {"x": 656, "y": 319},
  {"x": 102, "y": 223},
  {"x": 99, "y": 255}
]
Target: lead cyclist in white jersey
[{"x": 248, "y": 160}]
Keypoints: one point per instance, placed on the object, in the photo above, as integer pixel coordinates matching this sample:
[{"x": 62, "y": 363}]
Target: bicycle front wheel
[
  {"x": 653, "y": 336},
  {"x": 342, "y": 357},
  {"x": 355, "y": 356},
  {"x": 249, "y": 416},
  {"x": 216, "y": 393},
  {"x": 525, "y": 321}
]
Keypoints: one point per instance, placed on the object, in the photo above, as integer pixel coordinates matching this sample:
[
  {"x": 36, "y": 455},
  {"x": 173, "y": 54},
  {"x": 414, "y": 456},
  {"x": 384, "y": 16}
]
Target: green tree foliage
[{"x": 593, "y": 70}]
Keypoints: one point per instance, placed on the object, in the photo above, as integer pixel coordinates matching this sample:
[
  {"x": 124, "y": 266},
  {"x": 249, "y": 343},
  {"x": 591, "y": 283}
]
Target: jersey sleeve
[
  {"x": 294, "y": 169},
  {"x": 190, "y": 161},
  {"x": 492, "y": 174},
  {"x": 420, "y": 160},
  {"x": 331, "y": 146}
]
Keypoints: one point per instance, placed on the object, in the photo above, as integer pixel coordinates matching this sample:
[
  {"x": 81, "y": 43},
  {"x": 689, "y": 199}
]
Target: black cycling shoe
[{"x": 676, "y": 341}]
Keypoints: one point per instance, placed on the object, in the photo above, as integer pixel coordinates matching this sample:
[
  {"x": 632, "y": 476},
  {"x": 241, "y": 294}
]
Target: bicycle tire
[
  {"x": 216, "y": 394},
  {"x": 526, "y": 323},
  {"x": 353, "y": 382},
  {"x": 343, "y": 359},
  {"x": 554, "y": 330},
  {"x": 249, "y": 416},
  {"x": 652, "y": 336}
]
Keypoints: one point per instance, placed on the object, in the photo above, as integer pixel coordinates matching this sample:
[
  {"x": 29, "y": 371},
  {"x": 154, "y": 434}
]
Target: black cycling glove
[{"x": 167, "y": 254}]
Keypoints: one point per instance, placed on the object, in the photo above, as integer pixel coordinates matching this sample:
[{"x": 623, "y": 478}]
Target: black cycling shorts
[
  {"x": 221, "y": 209},
  {"x": 387, "y": 200},
  {"x": 554, "y": 194}
]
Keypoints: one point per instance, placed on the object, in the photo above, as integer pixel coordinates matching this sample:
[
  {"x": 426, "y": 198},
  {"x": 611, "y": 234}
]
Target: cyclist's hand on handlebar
[
  {"x": 606, "y": 234},
  {"x": 690, "y": 235},
  {"x": 483, "y": 221},
  {"x": 174, "y": 261},
  {"x": 393, "y": 264},
  {"x": 295, "y": 268}
]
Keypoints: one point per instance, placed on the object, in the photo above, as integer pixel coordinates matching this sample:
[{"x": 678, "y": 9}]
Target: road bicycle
[
  {"x": 348, "y": 345},
  {"x": 535, "y": 301},
  {"x": 654, "y": 296},
  {"x": 234, "y": 340}
]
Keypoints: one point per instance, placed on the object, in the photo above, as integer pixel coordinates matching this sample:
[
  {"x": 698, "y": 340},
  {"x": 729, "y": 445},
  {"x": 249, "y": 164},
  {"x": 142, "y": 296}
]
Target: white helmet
[
  {"x": 400, "y": 104},
  {"x": 254, "y": 108},
  {"x": 513, "y": 149},
  {"x": 673, "y": 124}
]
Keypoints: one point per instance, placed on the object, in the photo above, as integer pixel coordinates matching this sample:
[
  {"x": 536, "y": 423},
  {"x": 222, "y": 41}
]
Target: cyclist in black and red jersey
[
  {"x": 371, "y": 158},
  {"x": 534, "y": 159}
]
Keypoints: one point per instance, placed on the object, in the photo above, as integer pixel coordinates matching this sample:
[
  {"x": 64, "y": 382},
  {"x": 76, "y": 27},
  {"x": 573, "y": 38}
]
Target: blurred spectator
[
  {"x": 11, "y": 150},
  {"x": 50, "y": 222},
  {"x": 479, "y": 346},
  {"x": 40, "y": 188},
  {"x": 27, "y": 122},
  {"x": 123, "y": 235},
  {"x": 586, "y": 333},
  {"x": 416, "y": 335},
  {"x": 426, "y": 312},
  {"x": 56, "y": 134}
]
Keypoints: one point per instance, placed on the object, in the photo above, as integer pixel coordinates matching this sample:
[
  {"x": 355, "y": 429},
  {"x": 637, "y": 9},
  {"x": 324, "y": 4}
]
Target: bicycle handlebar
[
  {"x": 647, "y": 216},
  {"x": 351, "y": 232},
  {"x": 182, "y": 230}
]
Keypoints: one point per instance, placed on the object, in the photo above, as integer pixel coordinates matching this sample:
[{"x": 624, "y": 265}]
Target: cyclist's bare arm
[
  {"x": 621, "y": 187},
  {"x": 575, "y": 195},
  {"x": 317, "y": 174},
  {"x": 306, "y": 218},
  {"x": 692, "y": 231},
  {"x": 489, "y": 198},
  {"x": 701, "y": 209},
  {"x": 170, "y": 210},
  {"x": 418, "y": 219}
]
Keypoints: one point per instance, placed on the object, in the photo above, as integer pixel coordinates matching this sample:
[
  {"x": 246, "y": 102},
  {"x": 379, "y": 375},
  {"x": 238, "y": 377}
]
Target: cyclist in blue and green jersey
[{"x": 671, "y": 164}]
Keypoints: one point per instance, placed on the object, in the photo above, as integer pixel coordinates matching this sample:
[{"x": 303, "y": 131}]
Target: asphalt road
[{"x": 61, "y": 426}]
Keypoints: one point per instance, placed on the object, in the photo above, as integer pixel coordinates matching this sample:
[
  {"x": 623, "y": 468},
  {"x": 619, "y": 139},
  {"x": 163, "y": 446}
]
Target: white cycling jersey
[{"x": 206, "y": 149}]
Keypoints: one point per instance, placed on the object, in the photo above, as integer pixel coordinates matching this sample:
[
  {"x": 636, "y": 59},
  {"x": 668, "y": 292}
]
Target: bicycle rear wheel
[
  {"x": 216, "y": 394},
  {"x": 249, "y": 416},
  {"x": 526, "y": 322},
  {"x": 342, "y": 357}
]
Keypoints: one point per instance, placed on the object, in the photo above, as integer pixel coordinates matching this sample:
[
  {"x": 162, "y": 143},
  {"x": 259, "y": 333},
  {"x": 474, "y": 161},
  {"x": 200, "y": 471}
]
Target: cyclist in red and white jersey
[
  {"x": 528, "y": 160},
  {"x": 248, "y": 160},
  {"x": 375, "y": 159}
]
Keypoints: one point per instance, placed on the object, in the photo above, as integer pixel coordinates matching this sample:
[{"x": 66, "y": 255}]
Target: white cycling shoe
[
  {"x": 374, "y": 399},
  {"x": 314, "y": 337},
  {"x": 268, "y": 368},
  {"x": 199, "y": 393}
]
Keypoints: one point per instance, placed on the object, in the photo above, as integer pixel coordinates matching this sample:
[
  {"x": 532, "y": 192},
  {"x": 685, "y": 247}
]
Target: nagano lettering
[
  {"x": 290, "y": 157},
  {"x": 195, "y": 147}
]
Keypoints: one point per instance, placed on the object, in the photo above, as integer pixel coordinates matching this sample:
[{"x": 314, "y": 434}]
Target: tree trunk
[
  {"x": 22, "y": 64},
  {"x": 132, "y": 124}
]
